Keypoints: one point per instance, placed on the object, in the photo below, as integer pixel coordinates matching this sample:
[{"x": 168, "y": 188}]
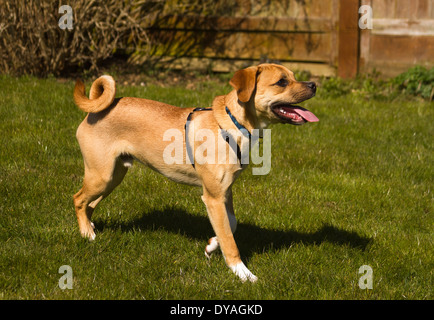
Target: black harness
[{"x": 245, "y": 132}]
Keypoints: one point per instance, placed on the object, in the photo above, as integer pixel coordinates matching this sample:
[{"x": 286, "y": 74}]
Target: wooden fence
[
  {"x": 402, "y": 36},
  {"x": 321, "y": 36}
]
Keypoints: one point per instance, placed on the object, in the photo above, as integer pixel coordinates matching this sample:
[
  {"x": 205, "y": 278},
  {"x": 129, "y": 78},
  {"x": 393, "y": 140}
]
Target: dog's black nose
[{"x": 312, "y": 86}]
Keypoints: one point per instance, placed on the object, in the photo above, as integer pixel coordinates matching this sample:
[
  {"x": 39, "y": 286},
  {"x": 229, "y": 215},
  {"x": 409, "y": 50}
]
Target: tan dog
[{"x": 118, "y": 131}]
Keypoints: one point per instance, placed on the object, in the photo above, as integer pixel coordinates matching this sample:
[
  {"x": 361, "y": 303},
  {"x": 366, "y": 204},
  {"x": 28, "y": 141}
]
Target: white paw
[
  {"x": 89, "y": 232},
  {"x": 243, "y": 273},
  {"x": 92, "y": 236},
  {"x": 213, "y": 244}
]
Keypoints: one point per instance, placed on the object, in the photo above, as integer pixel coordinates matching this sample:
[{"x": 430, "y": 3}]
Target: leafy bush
[
  {"x": 417, "y": 81},
  {"x": 335, "y": 87}
]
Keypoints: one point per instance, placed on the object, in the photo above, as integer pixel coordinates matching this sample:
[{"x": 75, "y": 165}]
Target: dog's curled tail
[{"x": 101, "y": 95}]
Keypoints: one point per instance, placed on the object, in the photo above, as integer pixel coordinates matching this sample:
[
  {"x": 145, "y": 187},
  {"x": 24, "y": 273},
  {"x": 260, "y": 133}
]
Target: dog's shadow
[{"x": 250, "y": 238}]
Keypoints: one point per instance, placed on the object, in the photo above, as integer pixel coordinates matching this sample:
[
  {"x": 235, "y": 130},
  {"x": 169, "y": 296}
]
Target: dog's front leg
[
  {"x": 213, "y": 242},
  {"x": 218, "y": 215}
]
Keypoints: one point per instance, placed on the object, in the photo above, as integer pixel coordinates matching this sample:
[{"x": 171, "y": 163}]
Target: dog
[{"x": 117, "y": 131}]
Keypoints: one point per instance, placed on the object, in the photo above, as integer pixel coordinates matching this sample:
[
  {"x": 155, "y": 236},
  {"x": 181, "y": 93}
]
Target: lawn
[{"x": 354, "y": 189}]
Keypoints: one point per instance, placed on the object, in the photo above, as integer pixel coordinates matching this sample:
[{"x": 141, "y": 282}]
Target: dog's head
[{"x": 273, "y": 92}]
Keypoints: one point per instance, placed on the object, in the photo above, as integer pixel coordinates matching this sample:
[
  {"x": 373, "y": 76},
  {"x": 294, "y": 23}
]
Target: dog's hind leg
[{"x": 98, "y": 183}]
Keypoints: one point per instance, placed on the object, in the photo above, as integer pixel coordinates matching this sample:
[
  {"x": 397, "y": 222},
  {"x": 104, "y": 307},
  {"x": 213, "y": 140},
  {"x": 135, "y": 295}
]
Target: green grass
[{"x": 354, "y": 189}]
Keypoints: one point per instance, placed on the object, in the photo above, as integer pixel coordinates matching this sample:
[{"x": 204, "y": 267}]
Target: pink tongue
[{"x": 306, "y": 114}]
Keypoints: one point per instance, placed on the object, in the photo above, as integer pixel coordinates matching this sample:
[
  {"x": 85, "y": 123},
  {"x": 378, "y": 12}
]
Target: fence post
[{"x": 349, "y": 36}]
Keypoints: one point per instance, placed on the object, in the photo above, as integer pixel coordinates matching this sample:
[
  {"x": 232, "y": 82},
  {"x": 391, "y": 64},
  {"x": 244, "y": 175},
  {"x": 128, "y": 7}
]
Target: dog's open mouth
[{"x": 293, "y": 114}]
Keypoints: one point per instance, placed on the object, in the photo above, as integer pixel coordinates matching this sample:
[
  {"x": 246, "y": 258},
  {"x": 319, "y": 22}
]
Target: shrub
[
  {"x": 334, "y": 87},
  {"x": 33, "y": 43},
  {"x": 417, "y": 81}
]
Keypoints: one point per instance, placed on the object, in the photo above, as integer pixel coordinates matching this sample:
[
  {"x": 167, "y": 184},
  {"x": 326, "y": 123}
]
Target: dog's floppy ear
[{"x": 244, "y": 81}]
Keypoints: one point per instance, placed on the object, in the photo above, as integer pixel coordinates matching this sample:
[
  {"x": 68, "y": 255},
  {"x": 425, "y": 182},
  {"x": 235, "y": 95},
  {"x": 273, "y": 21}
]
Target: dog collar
[{"x": 238, "y": 125}]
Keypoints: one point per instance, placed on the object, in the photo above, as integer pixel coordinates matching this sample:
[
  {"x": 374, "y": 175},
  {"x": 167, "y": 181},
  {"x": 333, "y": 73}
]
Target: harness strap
[
  {"x": 240, "y": 127},
  {"x": 187, "y": 146}
]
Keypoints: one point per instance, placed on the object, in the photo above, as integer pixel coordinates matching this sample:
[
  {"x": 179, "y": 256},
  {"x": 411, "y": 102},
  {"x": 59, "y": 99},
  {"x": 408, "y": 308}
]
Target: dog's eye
[{"x": 282, "y": 83}]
